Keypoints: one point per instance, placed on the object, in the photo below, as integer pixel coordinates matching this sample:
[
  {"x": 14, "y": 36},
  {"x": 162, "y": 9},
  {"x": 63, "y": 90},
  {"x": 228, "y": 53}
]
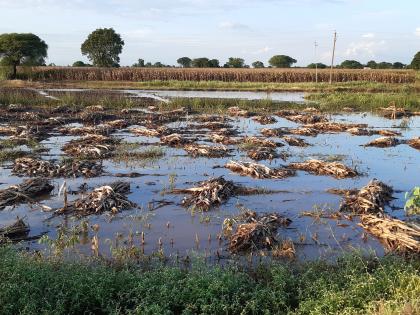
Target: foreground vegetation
[{"x": 355, "y": 285}]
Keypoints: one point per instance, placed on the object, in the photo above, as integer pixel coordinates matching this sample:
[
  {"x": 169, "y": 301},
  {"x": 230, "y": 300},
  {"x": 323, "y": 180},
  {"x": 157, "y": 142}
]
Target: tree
[
  {"x": 139, "y": 64},
  {"x": 17, "y": 49},
  {"x": 398, "y": 65},
  {"x": 235, "y": 62},
  {"x": 372, "y": 64},
  {"x": 318, "y": 65},
  {"x": 384, "y": 65},
  {"x": 158, "y": 64},
  {"x": 351, "y": 64},
  {"x": 184, "y": 62},
  {"x": 281, "y": 61},
  {"x": 103, "y": 47},
  {"x": 214, "y": 63},
  {"x": 200, "y": 62},
  {"x": 258, "y": 64},
  {"x": 80, "y": 64},
  {"x": 415, "y": 63}
]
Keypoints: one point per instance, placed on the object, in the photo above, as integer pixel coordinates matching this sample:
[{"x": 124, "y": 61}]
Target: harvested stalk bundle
[
  {"x": 25, "y": 192},
  {"x": 355, "y": 131},
  {"x": 414, "y": 143},
  {"x": 259, "y": 232},
  {"x": 383, "y": 142},
  {"x": 85, "y": 130},
  {"x": 66, "y": 168},
  {"x": 9, "y": 130},
  {"x": 116, "y": 124},
  {"x": 258, "y": 142},
  {"x": 286, "y": 249},
  {"x": 392, "y": 112},
  {"x": 94, "y": 108},
  {"x": 388, "y": 133},
  {"x": 110, "y": 198},
  {"x": 334, "y": 126},
  {"x": 214, "y": 125},
  {"x": 30, "y": 116},
  {"x": 237, "y": 112},
  {"x": 397, "y": 236},
  {"x": 304, "y": 131},
  {"x": 307, "y": 118},
  {"x": 287, "y": 112},
  {"x": 262, "y": 153},
  {"x": 211, "y": 118},
  {"x": 206, "y": 150},
  {"x": 210, "y": 193},
  {"x": 149, "y": 132},
  {"x": 258, "y": 170},
  {"x": 91, "y": 146},
  {"x": 264, "y": 119},
  {"x": 217, "y": 138},
  {"x": 273, "y": 132},
  {"x": 174, "y": 140},
  {"x": 14, "y": 232},
  {"x": 317, "y": 167},
  {"x": 372, "y": 198},
  {"x": 296, "y": 142}
]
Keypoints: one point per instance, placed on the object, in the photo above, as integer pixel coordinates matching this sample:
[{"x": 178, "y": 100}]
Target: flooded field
[{"x": 213, "y": 185}]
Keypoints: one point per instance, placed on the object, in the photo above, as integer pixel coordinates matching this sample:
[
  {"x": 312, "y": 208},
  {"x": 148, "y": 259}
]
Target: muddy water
[
  {"x": 161, "y": 95},
  {"x": 184, "y": 232}
]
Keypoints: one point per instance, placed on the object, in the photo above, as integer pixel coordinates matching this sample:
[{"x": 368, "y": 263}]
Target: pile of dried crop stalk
[
  {"x": 212, "y": 192},
  {"x": 259, "y": 142},
  {"x": 215, "y": 151},
  {"x": 174, "y": 140},
  {"x": 109, "y": 198},
  {"x": 262, "y": 153},
  {"x": 237, "y": 112},
  {"x": 223, "y": 139},
  {"x": 14, "y": 232},
  {"x": 265, "y": 119},
  {"x": 258, "y": 232},
  {"x": 370, "y": 199},
  {"x": 151, "y": 132},
  {"x": 397, "y": 236},
  {"x": 295, "y": 142},
  {"x": 67, "y": 168},
  {"x": 317, "y": 167},
  {"x": 414, "y": 143},
  {"x": 383, "y": 142},
  {"x": 91, "y": 146},
  {"x": 258, "y": 170},
  {"x": 25, "y": 192}
]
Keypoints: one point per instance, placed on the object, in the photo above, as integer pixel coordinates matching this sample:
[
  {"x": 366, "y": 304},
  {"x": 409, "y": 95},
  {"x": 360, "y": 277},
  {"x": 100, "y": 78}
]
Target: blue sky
[{"x": 163, "y": 30}]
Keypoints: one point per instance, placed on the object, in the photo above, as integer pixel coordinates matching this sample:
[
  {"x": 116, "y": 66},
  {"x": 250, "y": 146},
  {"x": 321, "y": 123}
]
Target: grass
[
  {"x": 129, "y": 154},
  {"x": 11, "y": 155},
  {"x": 32, "y": 284},
  {"x": 365, "y": 101},
  {"x": 360, "y": 86}
]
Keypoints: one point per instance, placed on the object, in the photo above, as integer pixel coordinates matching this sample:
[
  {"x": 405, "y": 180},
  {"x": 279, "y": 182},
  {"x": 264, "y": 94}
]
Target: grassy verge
[
  {"x": 34, "y": 285},
  {"x": 359, "y": 86}
]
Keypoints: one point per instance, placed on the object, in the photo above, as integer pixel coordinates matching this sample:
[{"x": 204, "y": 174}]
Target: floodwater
[
  {"x": 162, "y": 95},
  {"x": 184, "y": 232}
]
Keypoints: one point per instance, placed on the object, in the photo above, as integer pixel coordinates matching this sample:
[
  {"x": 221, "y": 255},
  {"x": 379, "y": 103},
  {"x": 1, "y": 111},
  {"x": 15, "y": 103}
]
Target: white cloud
[
  {"x": 365, "y": 48},
  {"x": 262, "y": 50},
  {"x": 417, "y": 31},
  {"x": 368, "y": 35},
  {"x": 232, "y": 25}
]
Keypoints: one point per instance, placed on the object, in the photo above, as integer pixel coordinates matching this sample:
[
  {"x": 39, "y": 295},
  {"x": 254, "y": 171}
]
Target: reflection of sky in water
[{"x": 398, "y": 166}]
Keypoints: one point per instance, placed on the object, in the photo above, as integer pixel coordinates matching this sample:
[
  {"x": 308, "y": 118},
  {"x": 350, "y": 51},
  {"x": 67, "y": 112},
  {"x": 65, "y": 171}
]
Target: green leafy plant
[{"x": 412, "y": 204}]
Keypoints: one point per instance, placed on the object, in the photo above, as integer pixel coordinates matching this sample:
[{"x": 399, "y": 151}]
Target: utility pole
[
  {"x": 332, "y": 58},
  {"x": 316, "y": 64}
]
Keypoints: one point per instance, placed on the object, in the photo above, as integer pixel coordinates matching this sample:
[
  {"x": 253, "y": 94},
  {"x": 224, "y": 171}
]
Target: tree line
[{"x": 103, "y": 47}]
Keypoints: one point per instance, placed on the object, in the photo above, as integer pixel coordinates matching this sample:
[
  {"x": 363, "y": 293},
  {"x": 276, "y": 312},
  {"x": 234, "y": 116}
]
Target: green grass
[
  {"x": 361, "y": 86},
  {"x": 365, "y": 101},
  {"x": 11, "y": 155},
  {"x": 34, "y": 285}
]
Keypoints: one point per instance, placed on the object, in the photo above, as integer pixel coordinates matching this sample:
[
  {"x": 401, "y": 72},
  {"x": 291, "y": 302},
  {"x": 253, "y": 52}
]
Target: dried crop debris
[
  {"x": 264, "y": 119},
  {"x": 317, "y": 167},
  {"x": 258, "y": 170},
  {"x": 262, "y": 153},
  {"x": 295, "y": 141},
  {"x": 383, "y": 142},
  {"x": 216, "y": 151},
  {"x": 14, "y": 232}
]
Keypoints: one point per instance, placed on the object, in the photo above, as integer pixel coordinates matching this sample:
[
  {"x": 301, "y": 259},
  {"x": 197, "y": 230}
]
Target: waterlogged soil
[{"x": 173, "y": 229}]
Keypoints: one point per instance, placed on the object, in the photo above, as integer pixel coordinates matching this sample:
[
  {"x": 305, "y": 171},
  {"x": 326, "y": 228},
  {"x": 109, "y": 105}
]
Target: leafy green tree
[
  {"x": 80, "y": 63},
  {"x": 158, "y": 64},
  {"x": 258, "y": 64},
  {"x": 318, "y": 65},
  {"x": 139, "y": 64},
  {"x": 398, "y": 65},
  {"x": 235, "y": 62},
  {"x": 372, "y": 64},
  {"x": 200, "y": 62},
  {"x": 17, "y": 49},
  {"x": 281, "y": 61},
  {"x": 351, "y": 64},
  {"x": 384, "y": 65},
  {"x": 214, "y": 63},
  {"x": 184, "y": 62},
  {"x": 415, "y": 63},
  {"x": 103, "y": 47}
]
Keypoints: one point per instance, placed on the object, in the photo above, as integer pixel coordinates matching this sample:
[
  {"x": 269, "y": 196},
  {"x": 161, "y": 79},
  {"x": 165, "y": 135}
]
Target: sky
[{"x": 164, "y": 30}]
